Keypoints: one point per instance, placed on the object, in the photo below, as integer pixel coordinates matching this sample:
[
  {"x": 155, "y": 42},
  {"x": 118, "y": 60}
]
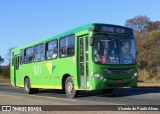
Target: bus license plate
[{"x": 118, "y": 81}]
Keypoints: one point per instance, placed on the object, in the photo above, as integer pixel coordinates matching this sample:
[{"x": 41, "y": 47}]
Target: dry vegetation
[
  {"x": 147, "y": 34},
  {"x": 148, "y": 56}
]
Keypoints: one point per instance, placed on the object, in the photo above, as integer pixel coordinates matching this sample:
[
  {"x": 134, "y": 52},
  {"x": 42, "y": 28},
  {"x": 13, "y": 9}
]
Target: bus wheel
[
  {"x": 69, "y": 88},
  {"x": 27, "y": 87},
  {"x": 107, "y": 91}
]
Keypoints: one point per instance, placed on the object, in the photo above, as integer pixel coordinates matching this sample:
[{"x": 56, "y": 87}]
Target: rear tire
[
  {"x": 27, "y": 87},
  {"x": 69, "y": 88}
]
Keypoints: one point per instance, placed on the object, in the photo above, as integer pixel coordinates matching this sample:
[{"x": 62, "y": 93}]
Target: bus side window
[
  {"x": 71, "y": 45},
  {"x": 39, "y": 52},
  {"x": 63, "y": 52},
  {"x": 63, "y": 43},
  {"x": 67, "y": 45},
  {"x": 28, "y": 55},
  {"x": 21, "y": 57},
  {"x": 51, "y": 49}
]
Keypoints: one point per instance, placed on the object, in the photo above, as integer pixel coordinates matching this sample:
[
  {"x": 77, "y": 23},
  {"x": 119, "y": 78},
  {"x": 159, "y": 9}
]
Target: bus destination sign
[{"x": 113, "y": 28}]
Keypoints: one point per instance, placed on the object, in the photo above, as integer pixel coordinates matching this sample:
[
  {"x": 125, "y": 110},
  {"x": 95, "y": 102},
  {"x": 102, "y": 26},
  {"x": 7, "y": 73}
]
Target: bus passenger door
[
  {"x": 16, "y": 69},
  {"x": 83, "y": 63}
]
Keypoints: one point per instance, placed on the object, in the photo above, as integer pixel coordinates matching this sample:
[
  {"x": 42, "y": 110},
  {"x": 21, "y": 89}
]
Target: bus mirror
[{"x": 91, "y": 41}]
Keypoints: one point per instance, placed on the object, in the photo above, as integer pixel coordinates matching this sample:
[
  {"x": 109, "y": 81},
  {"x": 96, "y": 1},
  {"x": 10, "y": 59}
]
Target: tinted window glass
[
  {"x": 67, "y": 45},
  {"x": 28, "y": 55},
  {"x": 51, "y": 50},
  {"x": 39, "y": 52},
  {"x": 114, "y": 50},
  {"x": 22, "y": 56}
]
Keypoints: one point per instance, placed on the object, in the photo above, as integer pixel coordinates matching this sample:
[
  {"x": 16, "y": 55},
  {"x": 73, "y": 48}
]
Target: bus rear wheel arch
[
  {"x": 65, "y": 76},
  {"x": 69, "y": 88},
  {"x": 27, "y": 87}
]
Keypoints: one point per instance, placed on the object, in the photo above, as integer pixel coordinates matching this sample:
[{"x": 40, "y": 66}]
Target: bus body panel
[
  {"x": 48, "y": 74},
  {"x": 13, "y": 74},
  {"x": 112, "y": 79}
]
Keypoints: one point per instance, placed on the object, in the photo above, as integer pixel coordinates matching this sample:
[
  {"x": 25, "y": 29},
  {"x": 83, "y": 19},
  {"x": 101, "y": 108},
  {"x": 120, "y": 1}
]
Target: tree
[
  {"x": 1, "y": 60},
  {"x": 9, "y": 54},
  {"x": 138, "y": 24},
  {"x": 154, "y": 26}
]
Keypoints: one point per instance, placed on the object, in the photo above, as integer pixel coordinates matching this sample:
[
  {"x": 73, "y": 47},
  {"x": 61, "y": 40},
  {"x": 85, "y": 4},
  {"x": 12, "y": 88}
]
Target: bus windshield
[{"x": 114, "y": 50}]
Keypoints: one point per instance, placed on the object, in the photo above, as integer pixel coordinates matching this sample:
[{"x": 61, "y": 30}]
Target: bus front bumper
[{"x": 110, "y": 83}]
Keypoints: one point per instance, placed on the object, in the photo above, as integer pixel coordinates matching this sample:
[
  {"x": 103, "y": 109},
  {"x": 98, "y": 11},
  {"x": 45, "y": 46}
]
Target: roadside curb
[
  {"x": 148, "y": 84},
  {"x": 5, "y": 84},
  {"x": 139, "y": 85}
]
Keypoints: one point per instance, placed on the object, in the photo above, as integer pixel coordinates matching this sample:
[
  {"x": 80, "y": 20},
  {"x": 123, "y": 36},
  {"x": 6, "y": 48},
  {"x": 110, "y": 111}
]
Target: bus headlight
[
  {"x": 96, "y": 75},
  {"x": 134, "y": 76}
]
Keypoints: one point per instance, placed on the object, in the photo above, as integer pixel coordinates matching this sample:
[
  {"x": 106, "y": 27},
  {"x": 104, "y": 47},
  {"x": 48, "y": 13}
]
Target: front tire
[
  {"x": 69, "y": 88},
  {"x": 27, "y": 87}
]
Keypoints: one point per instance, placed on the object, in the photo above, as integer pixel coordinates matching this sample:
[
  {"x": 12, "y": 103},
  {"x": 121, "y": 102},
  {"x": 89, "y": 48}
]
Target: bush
[
  {"x": 148, "y": 55},
  {"x": 5, "y": 71}
]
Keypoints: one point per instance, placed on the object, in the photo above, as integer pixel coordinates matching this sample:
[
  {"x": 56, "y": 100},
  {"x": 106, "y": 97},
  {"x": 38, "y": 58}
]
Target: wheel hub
[
  {"x": 69, "y": 87},
  {"x": 26, "y": 86}
]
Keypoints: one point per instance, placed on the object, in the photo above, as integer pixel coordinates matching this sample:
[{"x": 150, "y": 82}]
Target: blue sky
[{"x": 26, "y": 21}]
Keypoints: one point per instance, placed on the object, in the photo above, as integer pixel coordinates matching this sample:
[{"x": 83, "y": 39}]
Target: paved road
[{"x": 125, "y": 96}]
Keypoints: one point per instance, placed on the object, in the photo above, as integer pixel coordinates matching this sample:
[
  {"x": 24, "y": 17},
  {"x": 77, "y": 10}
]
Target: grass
[{"x": 145, "y": 76}]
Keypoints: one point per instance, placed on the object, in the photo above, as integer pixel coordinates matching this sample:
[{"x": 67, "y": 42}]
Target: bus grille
[{"x": 118, "y": 71}]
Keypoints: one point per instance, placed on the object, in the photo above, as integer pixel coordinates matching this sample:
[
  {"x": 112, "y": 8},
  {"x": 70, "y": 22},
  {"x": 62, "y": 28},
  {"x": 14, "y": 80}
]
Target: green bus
[{"x": 91, "y": 57}]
